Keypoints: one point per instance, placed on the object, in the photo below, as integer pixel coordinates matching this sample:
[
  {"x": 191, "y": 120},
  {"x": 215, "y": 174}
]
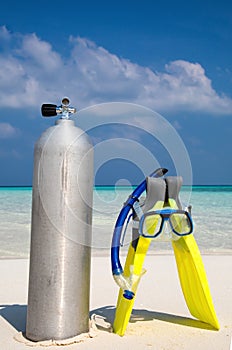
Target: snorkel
[{"x": 127, "y": 284}]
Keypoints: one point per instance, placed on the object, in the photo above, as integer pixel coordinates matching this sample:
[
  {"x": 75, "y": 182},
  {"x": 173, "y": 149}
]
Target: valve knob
[{"x": 49, "y": 110}]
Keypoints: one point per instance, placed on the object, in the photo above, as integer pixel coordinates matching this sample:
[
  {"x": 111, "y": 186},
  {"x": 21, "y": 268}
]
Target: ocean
[{"x": 211, "y": 213}]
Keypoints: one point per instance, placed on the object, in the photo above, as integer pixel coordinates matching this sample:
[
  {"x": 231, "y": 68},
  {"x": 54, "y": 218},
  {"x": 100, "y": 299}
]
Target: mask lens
[
  {"x": 180, "y": 223},
  {"x": 151, "y": 225}
]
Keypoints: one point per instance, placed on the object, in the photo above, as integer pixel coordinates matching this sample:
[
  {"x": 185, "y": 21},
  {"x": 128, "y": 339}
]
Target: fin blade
[
  {"x": 194, "y": 281},
  {"x": 122, "y": 314},
  {"x": 134, "y": 262}
]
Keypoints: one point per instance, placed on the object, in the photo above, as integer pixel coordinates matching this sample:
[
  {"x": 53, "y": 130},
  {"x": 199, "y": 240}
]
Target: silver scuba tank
[{"x": 59, "y": 279}]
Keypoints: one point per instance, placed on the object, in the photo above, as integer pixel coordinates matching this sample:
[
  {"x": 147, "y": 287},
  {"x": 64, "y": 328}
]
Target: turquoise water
[{"x": 211, "y": 211}]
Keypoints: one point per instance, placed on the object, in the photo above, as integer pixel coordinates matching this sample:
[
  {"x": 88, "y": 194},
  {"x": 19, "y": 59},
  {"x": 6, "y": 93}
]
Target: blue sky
[{"x": 172, "y": 57}]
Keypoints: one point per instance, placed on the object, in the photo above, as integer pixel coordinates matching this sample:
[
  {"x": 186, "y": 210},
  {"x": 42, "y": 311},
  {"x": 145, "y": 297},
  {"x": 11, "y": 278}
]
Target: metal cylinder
[{"x": 59, "y": 278}]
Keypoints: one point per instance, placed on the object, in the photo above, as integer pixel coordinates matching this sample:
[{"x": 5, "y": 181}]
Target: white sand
[{"x": 160, "y": 318}]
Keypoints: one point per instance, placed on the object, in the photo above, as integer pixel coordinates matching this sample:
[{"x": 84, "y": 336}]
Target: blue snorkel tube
[{"x": 117, "y": 269}]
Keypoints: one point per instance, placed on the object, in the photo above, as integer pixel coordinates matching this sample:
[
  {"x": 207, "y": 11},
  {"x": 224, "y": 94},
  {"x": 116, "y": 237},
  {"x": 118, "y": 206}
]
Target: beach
[{"x": 160, "y": 319}]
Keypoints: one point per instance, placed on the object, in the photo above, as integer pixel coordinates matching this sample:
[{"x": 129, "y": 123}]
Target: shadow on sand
[
  {"x": 108, "y": 312},
  {"x": 16, "y": 315}
]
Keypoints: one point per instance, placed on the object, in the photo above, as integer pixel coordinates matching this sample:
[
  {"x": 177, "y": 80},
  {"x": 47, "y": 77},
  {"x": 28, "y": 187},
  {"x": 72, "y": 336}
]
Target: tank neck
[{"x": 64, "y": 122}]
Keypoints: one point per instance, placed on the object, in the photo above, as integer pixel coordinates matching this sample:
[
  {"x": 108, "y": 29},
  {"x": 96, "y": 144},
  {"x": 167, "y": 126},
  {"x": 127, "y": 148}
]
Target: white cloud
[
  {"x": 31, "y": 72},
  {"x": 39, "y": 54},
  {"x": 4, "y": 34},
  {"x": 7, "y": 131}
]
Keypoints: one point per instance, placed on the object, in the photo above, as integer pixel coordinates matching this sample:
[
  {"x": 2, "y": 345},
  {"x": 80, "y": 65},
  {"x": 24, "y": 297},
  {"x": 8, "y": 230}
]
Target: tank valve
[{"x": 64, "y": 110}]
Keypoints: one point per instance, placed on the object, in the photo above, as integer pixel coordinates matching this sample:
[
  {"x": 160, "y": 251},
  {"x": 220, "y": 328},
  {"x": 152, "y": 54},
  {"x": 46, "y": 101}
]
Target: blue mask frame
[{"x": 166, "y": 215}]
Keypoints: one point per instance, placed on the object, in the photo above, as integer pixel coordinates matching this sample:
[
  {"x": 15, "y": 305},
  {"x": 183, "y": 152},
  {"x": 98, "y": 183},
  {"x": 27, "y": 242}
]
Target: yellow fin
[
  {"x": 125, "y": 306},
  {"x": 193, "y": 279},
  {"x": 134, "y": 264}
]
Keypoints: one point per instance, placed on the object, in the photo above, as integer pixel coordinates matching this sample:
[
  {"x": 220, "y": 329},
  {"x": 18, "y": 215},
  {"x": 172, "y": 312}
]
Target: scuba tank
[{"x": 59, "y": 279}]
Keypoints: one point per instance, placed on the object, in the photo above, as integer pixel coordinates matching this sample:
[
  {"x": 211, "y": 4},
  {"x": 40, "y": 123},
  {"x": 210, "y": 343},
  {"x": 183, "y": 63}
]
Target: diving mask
[{"x": 152, "y": 223}]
